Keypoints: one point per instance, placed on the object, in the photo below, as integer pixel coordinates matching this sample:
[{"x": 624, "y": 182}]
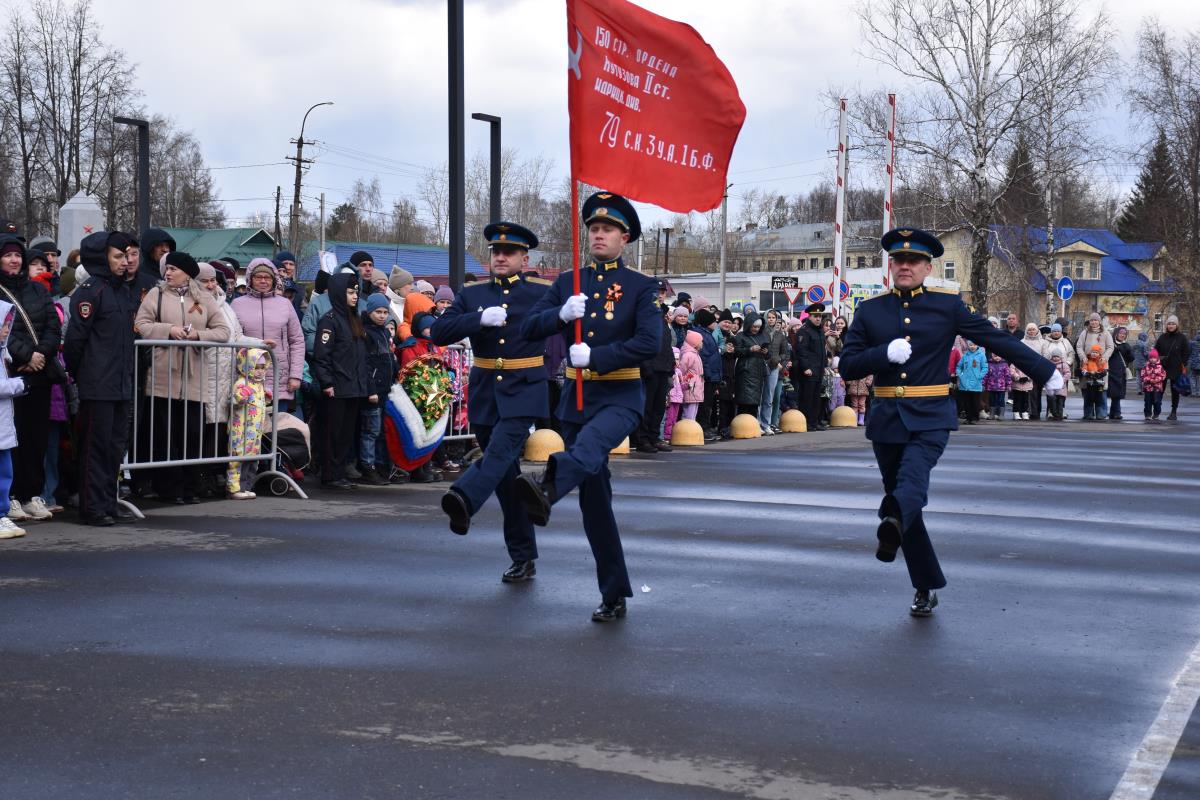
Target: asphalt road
[{"x": 353, "y": 647}]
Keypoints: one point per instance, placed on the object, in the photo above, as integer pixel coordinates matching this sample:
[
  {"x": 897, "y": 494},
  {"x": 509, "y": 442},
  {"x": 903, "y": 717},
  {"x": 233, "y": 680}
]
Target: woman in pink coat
[
  {"x": 691, "y": 374},
  {"x": 271, "y": 317}
]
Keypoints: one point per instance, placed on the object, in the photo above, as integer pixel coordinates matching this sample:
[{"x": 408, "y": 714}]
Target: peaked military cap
[
  {"x": 511, "y": 234},
  {"x": 816, "y": 308},
  {"x": 911, "y": 240},
  {"x": 613, "y": 209}
]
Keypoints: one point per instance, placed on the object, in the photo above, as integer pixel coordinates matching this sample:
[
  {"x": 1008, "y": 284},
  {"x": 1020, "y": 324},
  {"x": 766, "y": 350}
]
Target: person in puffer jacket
[{"x": 247, "y": 421}]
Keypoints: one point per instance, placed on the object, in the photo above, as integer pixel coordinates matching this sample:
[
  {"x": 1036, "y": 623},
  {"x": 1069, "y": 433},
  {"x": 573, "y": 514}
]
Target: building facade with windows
[{"x": 1126, "y": 282}]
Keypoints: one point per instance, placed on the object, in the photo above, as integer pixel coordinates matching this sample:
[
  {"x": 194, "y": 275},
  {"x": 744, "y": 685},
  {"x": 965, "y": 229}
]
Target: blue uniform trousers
[
  {"x": 905, "y": 468},
  {"x": 585, "y": 464},
  {"x": 498, "y": 470}
]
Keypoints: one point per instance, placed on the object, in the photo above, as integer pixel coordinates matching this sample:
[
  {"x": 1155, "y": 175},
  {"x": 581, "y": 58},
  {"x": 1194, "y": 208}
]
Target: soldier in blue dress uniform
[
  {"x": 506, "y": 391},
  {"x": 903, "y": 337},
  {"x": 622, "y": 327}
]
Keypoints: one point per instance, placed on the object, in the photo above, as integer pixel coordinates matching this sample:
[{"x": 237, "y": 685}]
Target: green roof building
[{"x": 243, "y": 244}]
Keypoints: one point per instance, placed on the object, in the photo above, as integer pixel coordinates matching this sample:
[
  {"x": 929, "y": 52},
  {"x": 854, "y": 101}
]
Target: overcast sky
[{"x": 241, "y": 74}]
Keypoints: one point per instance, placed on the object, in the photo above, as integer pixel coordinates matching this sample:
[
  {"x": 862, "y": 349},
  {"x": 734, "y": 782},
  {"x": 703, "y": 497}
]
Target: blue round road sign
[
  {"x": 1066, "y": 288},
  {"x": 816, "y": 294}
]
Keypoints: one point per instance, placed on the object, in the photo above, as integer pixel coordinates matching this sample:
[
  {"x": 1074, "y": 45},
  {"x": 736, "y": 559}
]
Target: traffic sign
[
  {"x": 1066, "y": 288},
  {"x": 793, "y": 294},
  {"x": 816, "y": 293}
]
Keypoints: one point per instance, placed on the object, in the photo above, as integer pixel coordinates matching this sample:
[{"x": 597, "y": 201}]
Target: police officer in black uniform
[
  {"x": 808, "y": 367},
  {"x": 622, "y": 327},
  {"x": 903, "y": 337},
  {"x": 507, "y": 390},
  {"x": 99, "y": 354}
]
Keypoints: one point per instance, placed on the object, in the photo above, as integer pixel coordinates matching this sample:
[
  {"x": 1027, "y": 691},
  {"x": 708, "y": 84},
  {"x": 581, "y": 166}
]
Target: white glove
[
  {"x": 581, "y": 355},
  {"x": 493, "y": 317},
  {"x": 574, "y": 308},
  {"x": 899, "y": 351},
  {"x": 1055, "y": 383}
]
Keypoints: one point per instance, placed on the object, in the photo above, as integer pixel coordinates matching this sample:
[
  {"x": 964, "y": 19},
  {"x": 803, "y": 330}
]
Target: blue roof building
[{"x": 1126, "y": 282}]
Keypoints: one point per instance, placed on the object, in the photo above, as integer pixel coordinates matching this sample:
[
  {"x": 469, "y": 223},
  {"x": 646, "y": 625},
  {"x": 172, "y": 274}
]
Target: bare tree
[
  {"x": 985, "y": 70},
  {"x": 1166, "y": 92}
]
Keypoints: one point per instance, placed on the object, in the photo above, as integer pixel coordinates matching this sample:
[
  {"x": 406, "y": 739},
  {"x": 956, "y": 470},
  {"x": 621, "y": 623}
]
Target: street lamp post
[
  {"x": 494, "y": 198},
  {"x": 294, "y": 218},
  {"x": 457, "y": 155},
  {"x": 143, "y": 169}
]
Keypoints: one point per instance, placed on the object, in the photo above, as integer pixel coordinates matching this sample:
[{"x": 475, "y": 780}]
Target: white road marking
[
  {"x": 1150, "y": 761},
  {"x": 724, "y": 775}
]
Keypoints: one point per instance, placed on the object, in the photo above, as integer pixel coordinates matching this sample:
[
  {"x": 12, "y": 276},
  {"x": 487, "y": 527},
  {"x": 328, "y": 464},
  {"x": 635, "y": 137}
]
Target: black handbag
[{"x": 52, "y": 372}]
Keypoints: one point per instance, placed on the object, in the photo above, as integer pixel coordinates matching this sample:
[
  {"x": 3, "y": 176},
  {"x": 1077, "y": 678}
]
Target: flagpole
[
  {"x": 839, "y": 221},
  {"x": 575, "y": 283},
  {"x": 884, "y": 258}
]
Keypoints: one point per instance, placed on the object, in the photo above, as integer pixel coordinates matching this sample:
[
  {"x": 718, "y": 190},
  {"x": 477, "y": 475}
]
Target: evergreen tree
[
  {"x": 1154, "y": 211},
  {"x": 1023, "y": 201}
]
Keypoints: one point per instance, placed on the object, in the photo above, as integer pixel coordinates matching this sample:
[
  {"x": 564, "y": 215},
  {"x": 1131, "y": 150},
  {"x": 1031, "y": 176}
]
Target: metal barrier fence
[
  {"x": 172, "y": 429},
  {"x": 458, "y": 409}
]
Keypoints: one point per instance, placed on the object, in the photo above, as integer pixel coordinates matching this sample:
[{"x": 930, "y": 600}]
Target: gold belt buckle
[
  {"x": 499, "y": 363},
  {"x": 899, "y": 391},
  {"x": 587, "y": 374}
]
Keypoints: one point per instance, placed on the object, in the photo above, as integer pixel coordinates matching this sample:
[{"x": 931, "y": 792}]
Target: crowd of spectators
[{"x": 327, "y": 361}]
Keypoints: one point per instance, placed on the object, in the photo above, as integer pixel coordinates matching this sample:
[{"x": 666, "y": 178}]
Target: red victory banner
[{"x": 654, "y": 112}]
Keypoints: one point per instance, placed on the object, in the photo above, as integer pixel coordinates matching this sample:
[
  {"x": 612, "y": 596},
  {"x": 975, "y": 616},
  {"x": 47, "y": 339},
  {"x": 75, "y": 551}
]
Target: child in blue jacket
[{"x": 971, "y": 370}]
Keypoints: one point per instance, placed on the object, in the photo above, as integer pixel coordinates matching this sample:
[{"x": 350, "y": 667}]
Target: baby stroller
[{"x": 294, "y": 455}]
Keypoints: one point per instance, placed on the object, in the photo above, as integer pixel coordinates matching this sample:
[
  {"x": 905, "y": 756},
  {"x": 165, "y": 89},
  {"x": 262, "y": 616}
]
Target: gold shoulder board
[{"x": 541, "y": 281}]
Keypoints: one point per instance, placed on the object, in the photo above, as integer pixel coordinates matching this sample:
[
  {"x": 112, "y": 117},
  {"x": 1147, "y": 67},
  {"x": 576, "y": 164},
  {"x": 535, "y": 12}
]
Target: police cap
[{"x": 815, "y": 308}]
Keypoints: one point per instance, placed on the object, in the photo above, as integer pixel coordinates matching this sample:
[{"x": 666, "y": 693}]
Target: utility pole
[
  {"x": 667, "y": 255},
  {"x": 724, "y": 238},
  {"x": 494, "y": 210},
  {"x": 457, "y": 155},
  {"x": 143, "y": 170},
  {"x": 294, "y": 218},
  {"x": 322, "y": 224},
  {"x": 278, "y": 231}
]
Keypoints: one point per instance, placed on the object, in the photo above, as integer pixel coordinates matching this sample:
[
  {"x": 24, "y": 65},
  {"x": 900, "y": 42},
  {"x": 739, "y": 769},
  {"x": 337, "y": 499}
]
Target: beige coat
[
  {"x": 1083, "y": 345},
  {"x": 179, "y": 372}
]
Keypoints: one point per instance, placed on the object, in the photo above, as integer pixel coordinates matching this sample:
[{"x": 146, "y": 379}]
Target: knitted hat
[
  {"x": 260, "y": 265},
  {"x": 694, "y": 339},
  {"x": 1056, "y": 328},
  {"x": 282, "y": 256},
  {"x": 423, "y": 286},
  {"x": 683, "y": 297},
  {"x": 1154, "y": 354},
  {"x": 206, "y": 271},
  {"x": 321, "y": 282},
  {"x": 1094, "y": 316},
  {"x": 1097, "y": 349},
  {"x": 443, "y": 293},
  {"x": 421, "y": 322},
  {"x": 680, "y": 311},
  {"x": 725, "y": 316},
  {"x": 181, "y": 261},
  {"x": 399, "y": 279},
  {"x": 376, "y": 301},
  {"x": 361, "y": 256},
  {"x": 1173, "y": 319},
  {"x": 704, "y": 318},
  {"x": 701, "y": 302}
]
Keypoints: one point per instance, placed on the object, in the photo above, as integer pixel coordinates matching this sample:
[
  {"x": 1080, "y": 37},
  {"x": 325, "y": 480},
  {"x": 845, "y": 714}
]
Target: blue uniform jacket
[
  {"x": 710, "y": 356},
  {"x": 929, "y": 319},
  {"x": 494, "y": 394},
  {"x": 631, "y": 336}
]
